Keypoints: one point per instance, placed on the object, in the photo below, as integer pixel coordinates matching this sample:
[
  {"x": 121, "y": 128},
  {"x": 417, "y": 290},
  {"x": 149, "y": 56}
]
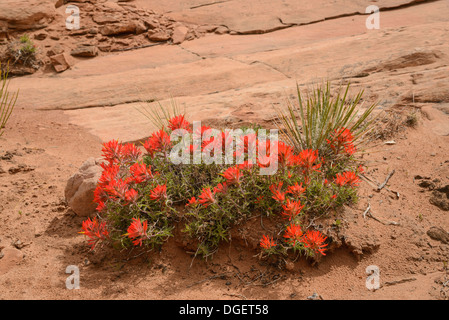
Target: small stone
[
  {"x": 221, "y": 30},
  {"x": 158, "y": 35},
  {"x": 118, "y": 28},
  {"x": 179, "y": 34},
  {"x": 315, "y": 296},
  {"x": 57, "y": 49},
  {"x": 84, "y": 51},
  {"x": 60, "y": 62},
  {"x": 79, "y": 191},
  {"x": 18, "y": 244},
  {"x": 439, "y": 234}
]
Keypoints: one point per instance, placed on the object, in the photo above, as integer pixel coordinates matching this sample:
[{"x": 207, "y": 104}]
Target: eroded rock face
[
  {"x": 26, "y": 15},
  {"x": 79, "y": 191}
]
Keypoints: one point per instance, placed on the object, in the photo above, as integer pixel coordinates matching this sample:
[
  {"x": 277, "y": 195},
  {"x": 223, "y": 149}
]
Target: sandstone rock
[
  {"x": 179, "y": 34},
  {"x": 206, "y": 28},
  {"x": 79, "y": 191},
  {"x": 118, "y": 28},
  {"x": 110, "y": 6},
  {"x": 26, "y": 15},
  {"x": 60, "y": 62},
  {"x": 140, "y": 27},
  {"x": 106, "y": 18},
  {"x": 105, "y": 48},
  {"x": 221, "y": 30},
  {"x": 57, "y": 49},
  {"x": 439, "y": 234},
  {"x": 152, "y": 24},
  {"x": 59, "y": 3},
  {"x": 84, "y": 51},
  {"x": 158, "y": 35}
]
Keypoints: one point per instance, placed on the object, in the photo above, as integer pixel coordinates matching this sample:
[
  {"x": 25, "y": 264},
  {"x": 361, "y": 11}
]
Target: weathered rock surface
[
  {"x": 210, "y": 74},
  {"x": 26, "y": 15},
  {"x": 84, "y": 51},
  {"x": 179, "y": 34},
  {"x": 79, "y": 191}
]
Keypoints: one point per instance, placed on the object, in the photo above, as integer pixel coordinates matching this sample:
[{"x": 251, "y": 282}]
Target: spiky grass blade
[
  {"x": 311, "y": 122},
  {"x": 7, "y": 100}
]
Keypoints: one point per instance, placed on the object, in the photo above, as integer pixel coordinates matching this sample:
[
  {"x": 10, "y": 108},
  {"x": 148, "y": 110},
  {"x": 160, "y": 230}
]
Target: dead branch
[{"x": 386, "y": 180}]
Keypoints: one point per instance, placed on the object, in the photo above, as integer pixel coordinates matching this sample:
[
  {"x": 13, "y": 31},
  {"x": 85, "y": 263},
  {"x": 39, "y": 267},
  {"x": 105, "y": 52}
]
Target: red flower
[
  {"x": 159, "y": 193},
  {"x": 137, "y": 231},
  {"x": 178, "y": 122},
  {"x": 158, "y": 142},
  {"x": 342, "y": 139},
  {"x": 206, "y": 197},
  {"x": 276, "y": 191},
  {"x": 111, "y": 151},
  {"x": 221, "y": 188},
  {"x": 192, "y": 202},
  {"x": 294, "y": 234},
  {"x": 101, "y": 206},
  {"x": 131, "y": 195},
  {"x": 360, "y": 169},
  {"x": 315, "y": 241},
  {"x": 306, "y": 160},
  {"x": 109, "y": 173},
  {"x": 140, "y": 172},
  {"x": 95, "y": 231},
  {"x": 292, "y": 209},
  {"x": 259, "y": 200},
  {"x": 232, "y": 175},
  {"x": 129, "y": 153},
  {"x": 267, "y": 243},
  {"x": 296, "y": 189},
  {"x": 347, "y": 178},
  {"x": 117, "y": 188},
  {"x": 285, "y": 153}
]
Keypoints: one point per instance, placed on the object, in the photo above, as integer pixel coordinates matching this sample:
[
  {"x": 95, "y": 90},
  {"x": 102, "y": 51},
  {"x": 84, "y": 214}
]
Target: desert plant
[
  {"x": 7, "y": 100},
  {"x": 321, "y": 117},
  {"x": 22, "y": 51},
  {"x": 138, "y": 192}
]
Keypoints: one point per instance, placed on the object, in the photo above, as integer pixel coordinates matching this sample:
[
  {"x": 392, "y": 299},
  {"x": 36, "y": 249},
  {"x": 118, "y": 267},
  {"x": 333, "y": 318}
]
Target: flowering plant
[{"x": 140, "y": 191}]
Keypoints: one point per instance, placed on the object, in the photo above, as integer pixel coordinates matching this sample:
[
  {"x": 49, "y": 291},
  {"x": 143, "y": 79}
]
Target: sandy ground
[{"x": 62, "y": 119}]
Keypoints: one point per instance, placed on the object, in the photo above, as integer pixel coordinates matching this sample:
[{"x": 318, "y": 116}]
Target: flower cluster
[
  {"x": 341, "y": 141},
  {"x": 312, "y": 241},
  {"x": 139, "y": 187}
]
